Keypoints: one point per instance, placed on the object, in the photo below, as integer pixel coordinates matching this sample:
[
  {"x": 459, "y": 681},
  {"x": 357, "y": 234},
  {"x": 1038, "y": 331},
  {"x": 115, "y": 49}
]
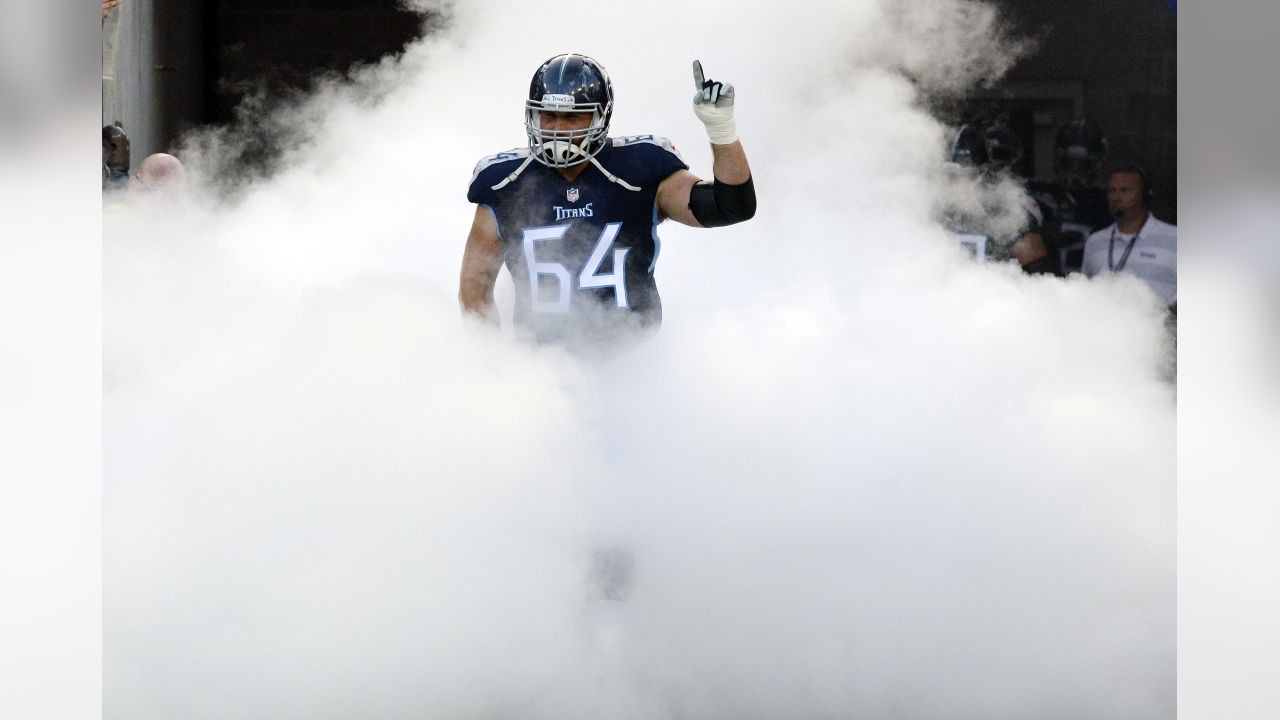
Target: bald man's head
[{"x": 159, "y": 172}]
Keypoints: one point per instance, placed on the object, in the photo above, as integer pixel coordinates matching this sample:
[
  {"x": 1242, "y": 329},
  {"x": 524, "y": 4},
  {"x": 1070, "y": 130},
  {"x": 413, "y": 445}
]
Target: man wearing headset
[{"x": 1136, "y": 243}]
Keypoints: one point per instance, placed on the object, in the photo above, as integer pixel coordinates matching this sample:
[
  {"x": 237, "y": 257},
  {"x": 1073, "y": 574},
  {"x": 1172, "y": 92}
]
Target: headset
[{"x": 1148, "y": 195}]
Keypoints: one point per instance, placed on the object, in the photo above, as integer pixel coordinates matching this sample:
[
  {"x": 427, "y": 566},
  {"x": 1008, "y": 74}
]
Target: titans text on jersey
[{"x": 580, "y": 251}]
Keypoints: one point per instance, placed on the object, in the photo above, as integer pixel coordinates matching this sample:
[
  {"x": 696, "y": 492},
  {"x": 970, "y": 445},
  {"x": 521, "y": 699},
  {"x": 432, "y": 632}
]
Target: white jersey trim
[{"x": 488, "y": 161}]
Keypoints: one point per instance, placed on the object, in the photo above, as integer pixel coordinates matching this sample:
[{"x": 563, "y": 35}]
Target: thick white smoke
[{"x": 855, "y": 475}]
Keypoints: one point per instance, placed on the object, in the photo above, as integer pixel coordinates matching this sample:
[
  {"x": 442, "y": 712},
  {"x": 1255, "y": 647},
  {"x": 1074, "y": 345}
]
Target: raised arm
[
  {"x": 731, "y": 197},
  {"x": 481, "y": 261}
]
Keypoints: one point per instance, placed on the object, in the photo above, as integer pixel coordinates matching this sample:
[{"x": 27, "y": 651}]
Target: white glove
[{"x": 713, "y": 104}]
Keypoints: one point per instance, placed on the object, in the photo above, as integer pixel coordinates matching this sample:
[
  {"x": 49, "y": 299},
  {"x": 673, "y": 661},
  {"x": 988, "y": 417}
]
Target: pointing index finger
[{"x": 698, "y": 78}]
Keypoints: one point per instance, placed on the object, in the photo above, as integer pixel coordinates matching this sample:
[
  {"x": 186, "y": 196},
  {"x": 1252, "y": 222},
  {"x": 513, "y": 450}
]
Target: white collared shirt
[{"x": 1154, "y": 257}]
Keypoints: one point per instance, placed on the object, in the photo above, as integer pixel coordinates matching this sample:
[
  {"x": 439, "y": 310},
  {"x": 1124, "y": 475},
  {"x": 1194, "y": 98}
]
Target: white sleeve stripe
[
  {"x": 661, "y": 142},
  {"x": 486, "y": 162}
]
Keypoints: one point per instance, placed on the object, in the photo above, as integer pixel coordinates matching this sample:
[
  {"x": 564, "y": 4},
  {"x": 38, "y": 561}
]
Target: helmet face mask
[
  {"x": 564, "y": 148},
  {"x": 568, "y": 83}
]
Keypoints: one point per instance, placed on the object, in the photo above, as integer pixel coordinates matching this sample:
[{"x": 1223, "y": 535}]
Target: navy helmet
[
  {"x": 1080, "y": 139},
  {"x": 969, "y": 147},
  {"x": 568, "y": 83},
  {"x": 1003, "y": 147}
]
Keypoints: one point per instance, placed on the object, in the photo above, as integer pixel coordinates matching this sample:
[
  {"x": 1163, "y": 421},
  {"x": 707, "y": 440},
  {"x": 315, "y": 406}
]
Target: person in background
[
  {"x": 970, "y": 160},
  {"x": 115, "y": 157},
  {"x": 1137, "y": 242},
  {"x": 160, "y": 173},
  {"x": 1036, "y": 248},
  {"x": 159, "y": 183},
  {"x": 1079, "y": 151}
]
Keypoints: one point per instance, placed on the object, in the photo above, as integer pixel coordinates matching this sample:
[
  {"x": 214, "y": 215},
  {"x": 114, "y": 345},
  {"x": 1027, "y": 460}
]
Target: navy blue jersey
[{"x": 581, "y": 252}]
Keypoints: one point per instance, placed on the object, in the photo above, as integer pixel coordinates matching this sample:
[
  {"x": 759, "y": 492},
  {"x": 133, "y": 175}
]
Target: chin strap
[
  {"x": 612, "y": 177},
  {"x": 511, "y": 178}
]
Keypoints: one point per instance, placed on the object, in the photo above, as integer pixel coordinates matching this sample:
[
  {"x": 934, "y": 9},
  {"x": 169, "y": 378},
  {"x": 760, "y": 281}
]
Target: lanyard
[{"x": 1111, "y": 249}]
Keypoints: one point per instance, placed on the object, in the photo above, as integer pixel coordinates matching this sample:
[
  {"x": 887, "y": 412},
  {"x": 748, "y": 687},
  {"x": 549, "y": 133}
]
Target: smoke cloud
[{"x": 855, "y": 475}]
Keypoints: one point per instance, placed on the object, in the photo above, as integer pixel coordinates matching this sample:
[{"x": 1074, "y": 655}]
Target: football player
[
  {"x": 975, "y": 158},
  {"x": 574, "y": 215}
]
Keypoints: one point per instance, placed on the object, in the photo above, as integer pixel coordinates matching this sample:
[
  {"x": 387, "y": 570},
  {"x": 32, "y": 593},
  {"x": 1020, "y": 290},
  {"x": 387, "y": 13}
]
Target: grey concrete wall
[
  {"x": 128, "y": 93},
  {"x": 153, "y": 71}
]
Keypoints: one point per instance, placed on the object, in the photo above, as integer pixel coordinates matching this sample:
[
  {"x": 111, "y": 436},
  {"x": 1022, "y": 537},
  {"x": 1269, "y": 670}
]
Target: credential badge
[{"x": 571, "y": 194}]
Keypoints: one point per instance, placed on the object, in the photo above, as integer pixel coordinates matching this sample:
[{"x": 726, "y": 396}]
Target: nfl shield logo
[{"x": 572, "y": 194}]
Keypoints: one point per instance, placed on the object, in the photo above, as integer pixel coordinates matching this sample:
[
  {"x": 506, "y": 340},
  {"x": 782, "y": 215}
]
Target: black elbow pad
[{"x": 718, "y": 204}]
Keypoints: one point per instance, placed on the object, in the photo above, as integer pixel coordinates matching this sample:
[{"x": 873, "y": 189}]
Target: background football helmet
[
  {"x": 568, "y": 83},
  {"x": 968, "y": 147},
  {"x": 1078, "y": 153},
  {"x": 1003, "y": 147}
]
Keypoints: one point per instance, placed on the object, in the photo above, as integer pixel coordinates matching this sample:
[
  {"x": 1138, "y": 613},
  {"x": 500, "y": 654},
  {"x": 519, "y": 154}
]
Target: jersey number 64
[{"x": 590, "y": 277}]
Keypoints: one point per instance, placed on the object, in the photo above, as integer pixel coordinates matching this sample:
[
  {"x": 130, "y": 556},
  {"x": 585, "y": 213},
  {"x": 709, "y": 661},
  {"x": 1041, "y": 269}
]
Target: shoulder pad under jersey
[
  {"x": 661, "y": 142},
  {"x": 491, "y": 160}
]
